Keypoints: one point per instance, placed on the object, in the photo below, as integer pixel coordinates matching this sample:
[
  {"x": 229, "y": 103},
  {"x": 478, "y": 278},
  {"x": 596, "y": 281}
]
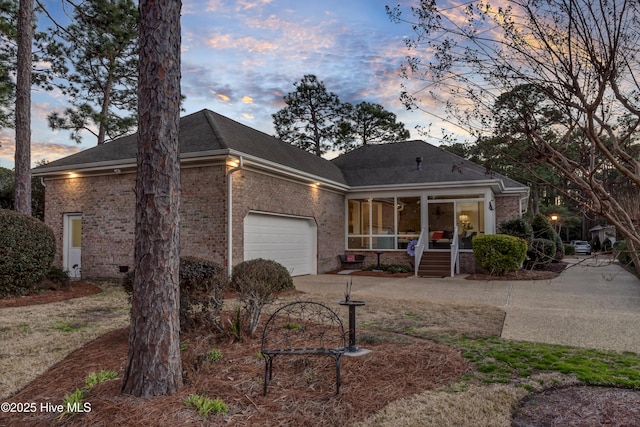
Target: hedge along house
[{"x": 248, "y": 195}]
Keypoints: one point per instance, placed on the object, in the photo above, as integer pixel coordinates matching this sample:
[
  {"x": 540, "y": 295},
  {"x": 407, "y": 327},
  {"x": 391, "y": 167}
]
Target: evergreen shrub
[
  {"x": 499, "y": 253},
  {"x": 202, "y": 285},
  {"x": 517, "y": 227},
  {"x": 569, "y": 249},
  {"x": 541, "y": 252},
  {"x": 27, "y": 248},
  {"x": 622, "y": 252}
]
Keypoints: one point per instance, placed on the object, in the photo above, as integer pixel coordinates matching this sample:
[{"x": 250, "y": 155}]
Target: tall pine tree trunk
[
  {"x": 23, "y": 109},
  {"x": 154, "y": 367}
]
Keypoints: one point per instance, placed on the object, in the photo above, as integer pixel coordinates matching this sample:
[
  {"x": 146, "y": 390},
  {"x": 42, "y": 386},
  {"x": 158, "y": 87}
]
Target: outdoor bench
[
  {"x": 351, "y": 260},
  {"x": 302, "y": 328}
]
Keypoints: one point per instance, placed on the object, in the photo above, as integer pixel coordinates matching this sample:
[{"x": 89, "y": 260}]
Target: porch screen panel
[
  {"x": 382, "y": 223},
  {"x": 409, "y": 225},
  {"x": 470, "y": 221},
  {"x": 358, "y": 224}
]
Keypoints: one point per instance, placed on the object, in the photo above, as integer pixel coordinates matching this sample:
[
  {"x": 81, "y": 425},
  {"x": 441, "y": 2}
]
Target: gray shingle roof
[
  {"x": 395, "y": 164},
  {"x": 371, "y": 165},
  {"x": 208, "y": 131}
]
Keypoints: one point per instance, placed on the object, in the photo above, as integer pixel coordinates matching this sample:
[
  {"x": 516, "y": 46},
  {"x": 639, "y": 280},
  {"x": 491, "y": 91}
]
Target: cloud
[
  {"x": 221, "y": 96},
  {"x": 246, "y": 44},
  {"x": 40, "y": 150},
  {"x": 247, "y": 99},
  {"x": 245, "y": 5}
]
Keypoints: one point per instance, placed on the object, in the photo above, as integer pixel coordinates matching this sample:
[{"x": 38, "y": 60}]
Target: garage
[{"x": 291, "y": 241}]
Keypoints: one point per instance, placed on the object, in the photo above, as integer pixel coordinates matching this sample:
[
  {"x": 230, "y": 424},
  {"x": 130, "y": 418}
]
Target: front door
[{"x": 72, "y": 247}]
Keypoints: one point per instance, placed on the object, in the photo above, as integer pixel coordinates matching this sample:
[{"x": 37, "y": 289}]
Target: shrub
[
  {"x": 559, "y": 248},
  {"x": 569, "y": 249},
  {"x": 27, "y": 248},
  {"x": 256, "y": 282},
  {"x": 622, "y": 252},
  {"x": 390, "y": 268},
  {"x": 499, "y": 253},
  {"x": 202, "y": 285},
  {"x": 517, "y": 227},
  {"x": 541, "y": 252},
  {"x": 59, "y": 276},
  {"x": 542, "y": 228}
]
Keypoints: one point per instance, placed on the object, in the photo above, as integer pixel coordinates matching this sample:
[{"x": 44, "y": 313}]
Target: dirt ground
[{"x": 302, "y": 389}]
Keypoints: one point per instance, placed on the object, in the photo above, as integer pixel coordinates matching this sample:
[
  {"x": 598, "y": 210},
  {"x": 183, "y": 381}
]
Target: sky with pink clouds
[{"x": 240, "y": 57}]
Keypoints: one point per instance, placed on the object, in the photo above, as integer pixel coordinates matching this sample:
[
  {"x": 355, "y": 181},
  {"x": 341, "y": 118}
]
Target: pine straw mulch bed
[
  {"x": 52, "y": 293},
  {"x": 302, "y": 390},
  {"x": 548, "y": 272}
]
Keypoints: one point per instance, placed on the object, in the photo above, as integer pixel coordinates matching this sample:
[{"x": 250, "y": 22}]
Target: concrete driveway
[{"x": 593, "y": 304}]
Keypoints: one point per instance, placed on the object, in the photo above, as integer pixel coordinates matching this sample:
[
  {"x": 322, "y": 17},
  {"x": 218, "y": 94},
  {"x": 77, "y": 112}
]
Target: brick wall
[
  {"x": 507, "y": 207},
  {"x": 107, "y": 204}
]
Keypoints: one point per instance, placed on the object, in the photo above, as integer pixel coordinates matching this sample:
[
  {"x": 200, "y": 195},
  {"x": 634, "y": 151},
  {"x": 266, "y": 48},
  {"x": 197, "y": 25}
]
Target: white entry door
[
  {"x": 291, "y": 241},
  {"x": 72, "y": 245}
]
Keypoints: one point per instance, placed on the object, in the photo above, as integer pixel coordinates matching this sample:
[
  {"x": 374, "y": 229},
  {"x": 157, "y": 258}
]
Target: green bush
[
  {"x": 559, "y": 248},
  {"x": 27, "y": 248},
  {"x": 257, "y": 281},
  {"x": 202, "y": 285},
  {"x": 390, "y": 268},
  {"x": 517, "y": 227},
  {"x": 59, "y": 276},
  {"x": 499, "y": 253},
  {"x": 542, "y": 228},
  {"x": 541, "y": 252},
  {"x": 538, "y": 253},
  {"x": 622, "y": 252},
  {"x": 569, "y": 249}
]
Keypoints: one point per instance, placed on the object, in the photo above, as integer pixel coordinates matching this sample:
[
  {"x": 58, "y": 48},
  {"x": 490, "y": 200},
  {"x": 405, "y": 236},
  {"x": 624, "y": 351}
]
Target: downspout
[{"x": 230, "y": 216}]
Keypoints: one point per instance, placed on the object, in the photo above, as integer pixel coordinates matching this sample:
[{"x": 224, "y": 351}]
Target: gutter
[{"x": 230, "y": 215}]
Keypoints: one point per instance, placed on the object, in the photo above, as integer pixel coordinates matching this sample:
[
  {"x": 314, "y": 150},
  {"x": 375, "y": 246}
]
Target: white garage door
[{"x": 291, "y": 241}]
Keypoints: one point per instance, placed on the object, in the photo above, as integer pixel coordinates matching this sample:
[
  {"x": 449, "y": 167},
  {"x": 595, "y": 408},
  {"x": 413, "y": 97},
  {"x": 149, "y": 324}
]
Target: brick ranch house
[{"x": 248, "y": 195}]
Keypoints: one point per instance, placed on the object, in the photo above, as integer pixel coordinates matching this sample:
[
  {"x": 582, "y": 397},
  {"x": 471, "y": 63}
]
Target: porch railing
[
  {"x": 419, "y": 250},
  {"x": 455, "y": 251}
]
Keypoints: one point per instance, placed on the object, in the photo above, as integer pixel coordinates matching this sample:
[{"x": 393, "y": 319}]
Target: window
[{"x": 383, "y": 223}]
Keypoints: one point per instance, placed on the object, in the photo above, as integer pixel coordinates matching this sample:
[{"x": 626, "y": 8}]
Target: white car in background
[{"x": 582, "y": 247}]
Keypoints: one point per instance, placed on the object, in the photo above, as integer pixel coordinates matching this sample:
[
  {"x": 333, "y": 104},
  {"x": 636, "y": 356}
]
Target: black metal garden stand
[{"x": 352, "y": 348}]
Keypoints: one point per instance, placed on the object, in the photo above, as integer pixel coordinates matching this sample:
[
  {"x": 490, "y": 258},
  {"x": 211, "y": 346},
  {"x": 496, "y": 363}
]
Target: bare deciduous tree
[{"x": 581, "y": 55}]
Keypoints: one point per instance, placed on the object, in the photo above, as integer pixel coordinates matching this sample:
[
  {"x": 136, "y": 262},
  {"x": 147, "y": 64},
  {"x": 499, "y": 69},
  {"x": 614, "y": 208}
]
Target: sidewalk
[{"x": 593, "y": 304}]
